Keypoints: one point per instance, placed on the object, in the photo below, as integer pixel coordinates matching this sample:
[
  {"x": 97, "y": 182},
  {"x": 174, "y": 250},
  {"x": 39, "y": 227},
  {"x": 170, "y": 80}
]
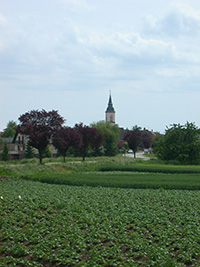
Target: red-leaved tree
[
  {"x": 133, "y": 138},
  {"x": 40, "y": 126},
  {"x": 65, "y": 138},
  {"x": 147, "y": 138},
  {"x": 90, "y": 138}
]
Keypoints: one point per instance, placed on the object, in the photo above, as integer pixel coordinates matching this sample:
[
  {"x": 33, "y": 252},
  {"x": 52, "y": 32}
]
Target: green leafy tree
[
  {"x": 10, "y": 129},
  {"x": 5, "y": 153},
  {"x": 29, "y": 153},
  {"x": 47, "y": 153},
  {"x": 179, "y": 143},
  {"x": 111, "y": 136},
  {"x": 123, "y": 146},
  {"x": 1, "y": 143}
]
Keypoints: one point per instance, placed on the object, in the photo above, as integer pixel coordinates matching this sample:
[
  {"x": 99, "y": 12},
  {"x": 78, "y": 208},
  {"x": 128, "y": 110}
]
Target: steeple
[
  {"x": 110, "y": 111},
  {"x": 110, "y": 107}
]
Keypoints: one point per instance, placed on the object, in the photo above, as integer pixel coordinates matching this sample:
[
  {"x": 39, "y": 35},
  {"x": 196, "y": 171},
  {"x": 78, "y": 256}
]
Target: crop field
[
  {"x": 121, "y": 180},
  {"x": 45, "y": 224}
]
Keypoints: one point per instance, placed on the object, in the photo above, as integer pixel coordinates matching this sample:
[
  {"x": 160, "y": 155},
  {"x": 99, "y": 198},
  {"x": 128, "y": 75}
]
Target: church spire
[
  {"x": 110, "y": 111},
  {"x": 110, "y": 107}
]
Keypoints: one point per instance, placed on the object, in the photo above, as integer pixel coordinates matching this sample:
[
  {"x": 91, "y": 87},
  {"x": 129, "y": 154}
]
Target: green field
[{"x": 95, "y": 221}]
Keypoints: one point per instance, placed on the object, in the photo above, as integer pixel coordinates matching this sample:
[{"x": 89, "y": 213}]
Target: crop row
[
  {"x": 57, "y": 225},
  {"x": 120, "y": 179},
  {"x": 150, "y": 169}
]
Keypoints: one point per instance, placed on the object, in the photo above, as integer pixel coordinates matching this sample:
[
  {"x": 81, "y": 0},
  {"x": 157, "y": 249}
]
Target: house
[{"x": 17, "y": 146}]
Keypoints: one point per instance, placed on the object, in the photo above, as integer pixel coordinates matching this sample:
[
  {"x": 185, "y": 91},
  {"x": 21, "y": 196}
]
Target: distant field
[
  {"x": 59, "y": 225},
  {"x": 108, "y": 172}
]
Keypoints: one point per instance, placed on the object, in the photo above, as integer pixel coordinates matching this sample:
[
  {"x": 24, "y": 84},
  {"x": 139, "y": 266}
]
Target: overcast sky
[{"x": 68, "y": 54}]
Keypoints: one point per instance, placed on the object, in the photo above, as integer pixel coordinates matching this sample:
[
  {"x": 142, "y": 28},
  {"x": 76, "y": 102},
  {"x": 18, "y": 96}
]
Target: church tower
[{"x": 110, "y": 112}]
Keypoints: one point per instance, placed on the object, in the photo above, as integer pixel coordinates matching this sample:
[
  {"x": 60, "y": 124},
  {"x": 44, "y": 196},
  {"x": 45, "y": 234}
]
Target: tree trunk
[
  {"x": 40, "y": 156},
  {"x": 134, "y": 153},
  {"x": 84, "y": 154}
]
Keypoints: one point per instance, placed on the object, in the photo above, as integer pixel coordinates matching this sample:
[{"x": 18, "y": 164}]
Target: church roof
[{"x": 110, "y": 107}]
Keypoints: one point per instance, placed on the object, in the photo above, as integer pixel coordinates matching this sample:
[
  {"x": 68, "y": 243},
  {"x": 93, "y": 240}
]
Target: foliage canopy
[
  {"x": 138, "y": 138},
  {"x": 10, "y": 129},
  {"x": 111, "y": 134},
  {"x": 65, "y": 138},
  {"x": 5, "y": 153},
  {"x": 179, "y": 143},
  {"x": 39, "y": 126},
  {"x": 90, "y": 138}
]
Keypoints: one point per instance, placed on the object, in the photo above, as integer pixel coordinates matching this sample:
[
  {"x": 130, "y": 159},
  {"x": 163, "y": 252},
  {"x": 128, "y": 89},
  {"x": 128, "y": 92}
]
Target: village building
[
  {"x": 17, "y": 145},
  {"x": 110, "y": 111}
]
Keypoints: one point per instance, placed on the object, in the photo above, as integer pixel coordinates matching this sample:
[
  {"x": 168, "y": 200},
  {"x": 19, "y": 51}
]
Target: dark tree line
[
  {"x": 81, "y": 137},
  {"x": 90, "y": 138},
  {"x": 66, "y": 138},
  {"x": 42, "y": 128},
  {"x": 179, "y": 143},
  {"x": 102, "y": 138}
]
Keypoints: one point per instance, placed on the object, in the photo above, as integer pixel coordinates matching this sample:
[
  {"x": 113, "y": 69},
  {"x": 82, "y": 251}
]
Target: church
[
  {"x": 110, "y": 116},
  {"x": 110, "y": 111}
]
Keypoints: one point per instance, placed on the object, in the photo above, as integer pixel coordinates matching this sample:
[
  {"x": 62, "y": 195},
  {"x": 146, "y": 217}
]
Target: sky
[{"x": 67, "y": 55}]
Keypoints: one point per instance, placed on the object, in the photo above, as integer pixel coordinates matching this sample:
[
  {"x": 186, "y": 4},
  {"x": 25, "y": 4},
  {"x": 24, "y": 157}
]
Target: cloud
[
  {"x": 179, "y": 20},
  {"x": 62, "y": 53},
  {"x": 64, "y": 48},
  {"x": 128, "y": 46}
]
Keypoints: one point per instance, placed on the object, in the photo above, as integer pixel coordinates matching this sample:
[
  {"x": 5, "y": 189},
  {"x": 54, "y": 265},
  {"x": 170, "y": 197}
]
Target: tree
[
  {"x": 133, "y": 137},
  {"x": 29, "y": 153},
  {"x": 5, "y": 153},
  {"x": 146, "y": 138},
  {"x": 1, "y": 143},
  {"x": 10, "y": 129},
  {"x": 180, "y": 143},
  {"x": 123, "y": 146},
  {"x": 111, "y": 136},
  {"x": 66, "y": 138},
  {"x": 90, "y": 138},
  {"x": 138, "y": 138},
  {"x": 47, "y": 153},
  {"x": 40, "y": 126}
]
